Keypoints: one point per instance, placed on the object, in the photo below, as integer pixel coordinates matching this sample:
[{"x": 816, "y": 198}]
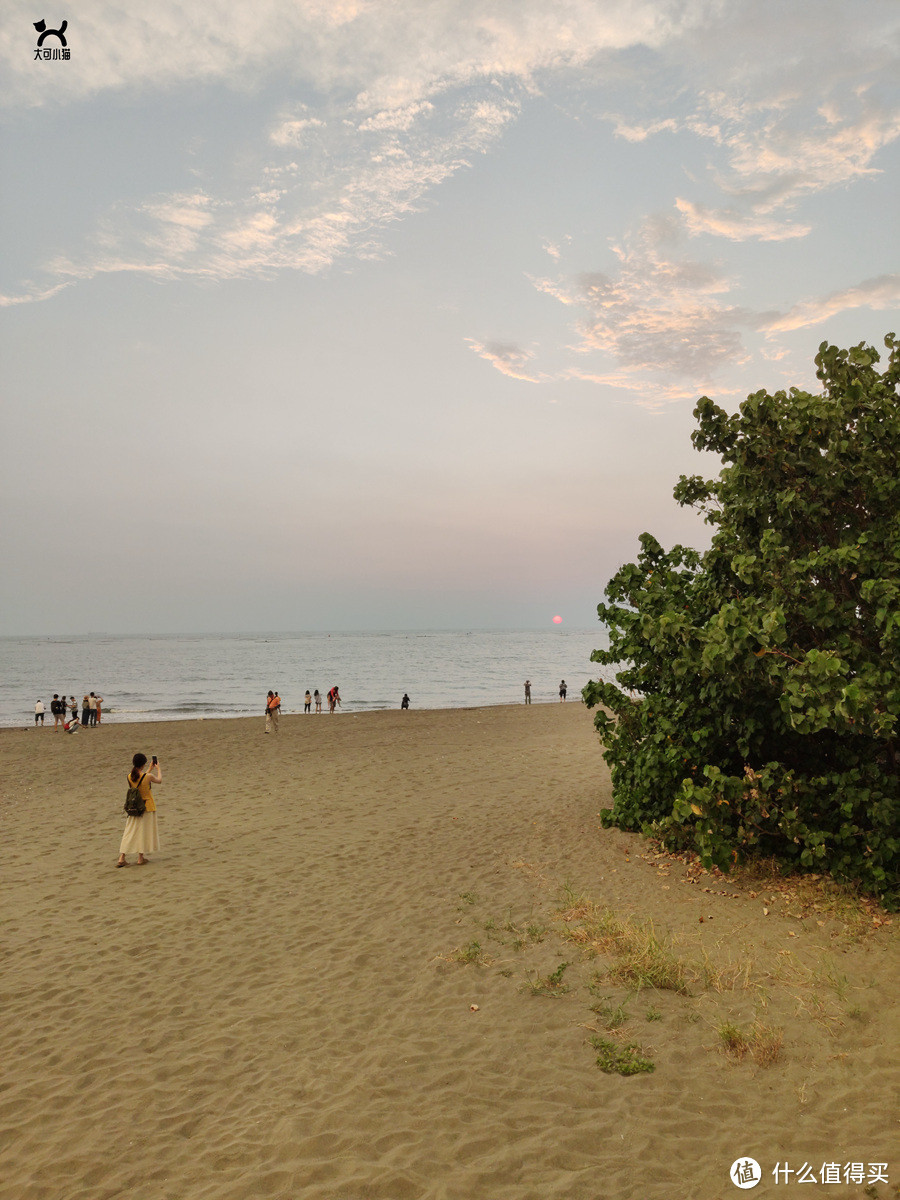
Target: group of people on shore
[
  {"x": 65, "y": 712},
  {"x": 562, "y": 691},
  {"x": 273, "y": 705}
]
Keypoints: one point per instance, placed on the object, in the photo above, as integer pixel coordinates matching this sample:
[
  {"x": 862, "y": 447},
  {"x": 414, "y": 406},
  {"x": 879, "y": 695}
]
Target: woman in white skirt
[{"x": 141, "y": 835}]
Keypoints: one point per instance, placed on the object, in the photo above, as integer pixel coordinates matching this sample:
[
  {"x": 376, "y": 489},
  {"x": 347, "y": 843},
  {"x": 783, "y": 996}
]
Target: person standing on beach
[
  {"x": 527, "y": 691},
  {"x": 98, "y": 701},
  {"x": 318, "y": 700},
  {"x": 404, "y": 703},
  {"x": 92, "y": 709},
  {"x": 85, "y": 710},
  {"x": 141, "y": 833},
  {"x": 334, "y": 699},
  {"x": 39, "y": 712},
  {"x": 307, "y": 701},
  {"x": 58, "y": 711},
  {"x": 271, "y": 713},
  {"x": 562, "y": 690}
]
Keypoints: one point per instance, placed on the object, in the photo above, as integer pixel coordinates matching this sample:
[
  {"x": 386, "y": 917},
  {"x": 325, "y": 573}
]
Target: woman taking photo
[{"x": 141, "y": 835}]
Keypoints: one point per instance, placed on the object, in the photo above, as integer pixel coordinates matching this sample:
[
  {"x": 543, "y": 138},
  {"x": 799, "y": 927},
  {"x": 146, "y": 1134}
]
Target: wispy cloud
[
  {"x": 659, "y": 311},
  {"x": 392, "y": 55},
  {"x": 319, "y": 201},
  {"x": 879, "y": 294},
  {"x": 510, "y": 359},
  {"x": 735, "y": 225},
  {"x": 397, "y": 98}
]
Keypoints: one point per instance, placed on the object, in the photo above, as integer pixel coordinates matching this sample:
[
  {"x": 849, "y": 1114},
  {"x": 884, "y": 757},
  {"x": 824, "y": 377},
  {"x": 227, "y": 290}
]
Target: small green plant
[
  {"x": 616, "y": 1059},
  {"x": 733, "y": 1039},
  {"x": 472, "y": 953},
  {"x": 612, "y": 1015},
  {"x": 653, "y": 1014},
  {"x": 468, "y": 897},
  {"x": 549, "y": 985},
  {"x": 524, "y": 935}
]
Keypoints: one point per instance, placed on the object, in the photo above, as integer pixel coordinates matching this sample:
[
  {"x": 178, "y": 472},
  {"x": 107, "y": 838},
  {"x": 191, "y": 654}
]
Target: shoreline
[{"x": 344, "y": 712}]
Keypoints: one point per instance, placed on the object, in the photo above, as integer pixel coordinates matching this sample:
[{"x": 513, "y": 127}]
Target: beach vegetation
[
  {"x": 470, "y": 953},
  {"x": 548, "y": 985},
  {"x": 762, "y": 1043},
  {"x": 642, "y": 957},
  {"x": 755, "y": 705},
  {"x": 613, "y": 1016},
  {"x": 617, "y": 1059}
]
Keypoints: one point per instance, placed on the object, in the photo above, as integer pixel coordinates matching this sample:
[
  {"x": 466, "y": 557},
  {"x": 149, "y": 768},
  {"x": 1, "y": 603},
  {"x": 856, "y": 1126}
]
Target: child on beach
[
  {"x": 318, "y": 700},
  {"x": 307, "y": 701}
]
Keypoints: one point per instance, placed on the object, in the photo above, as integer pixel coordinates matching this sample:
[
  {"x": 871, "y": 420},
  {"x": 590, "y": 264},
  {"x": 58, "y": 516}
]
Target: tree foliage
[{"x": 758, "y": 695}]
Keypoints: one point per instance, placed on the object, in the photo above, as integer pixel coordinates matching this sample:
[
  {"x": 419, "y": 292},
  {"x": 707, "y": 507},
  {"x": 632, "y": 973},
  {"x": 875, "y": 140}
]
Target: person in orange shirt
[{"x": 273, "y": 709}]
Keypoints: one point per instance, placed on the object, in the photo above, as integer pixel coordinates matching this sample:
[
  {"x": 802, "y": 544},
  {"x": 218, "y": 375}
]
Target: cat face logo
[{"x": 41, "y": 27}]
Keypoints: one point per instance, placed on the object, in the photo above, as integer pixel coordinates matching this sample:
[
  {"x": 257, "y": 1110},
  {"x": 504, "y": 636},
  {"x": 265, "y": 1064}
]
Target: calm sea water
[{"x": 166, "y": 678}]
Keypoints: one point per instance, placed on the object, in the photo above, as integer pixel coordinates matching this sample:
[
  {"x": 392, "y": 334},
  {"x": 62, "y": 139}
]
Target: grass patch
[
  {"x": 653, "y": 1014},
  {"x": 612, "y": 1016},
  {"x": 549, "y": 985},
  {"x": 524, "y": 935},
  {"x": 644, "y": 959},
  {"x": 615, "y": 1059},
  {"x": 725, "y": 977},
  {"x": 761, "y": 1042},
  {"x": 472, "y": 953}
]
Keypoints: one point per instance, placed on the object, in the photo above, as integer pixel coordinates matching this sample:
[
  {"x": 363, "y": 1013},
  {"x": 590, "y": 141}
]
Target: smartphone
[{"x": 154, "y": 760}]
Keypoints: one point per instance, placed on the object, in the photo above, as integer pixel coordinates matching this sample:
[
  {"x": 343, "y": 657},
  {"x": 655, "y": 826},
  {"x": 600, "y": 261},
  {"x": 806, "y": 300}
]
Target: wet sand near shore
[{"x": 367, "y": 964}]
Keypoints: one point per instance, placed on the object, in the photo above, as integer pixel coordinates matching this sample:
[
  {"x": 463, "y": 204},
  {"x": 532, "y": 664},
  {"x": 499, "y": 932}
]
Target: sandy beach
[{"x": 283, "y": 1002}]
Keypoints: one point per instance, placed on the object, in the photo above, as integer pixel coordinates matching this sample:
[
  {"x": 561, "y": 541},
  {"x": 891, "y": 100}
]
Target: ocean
[{"x": 217, "y": 675}]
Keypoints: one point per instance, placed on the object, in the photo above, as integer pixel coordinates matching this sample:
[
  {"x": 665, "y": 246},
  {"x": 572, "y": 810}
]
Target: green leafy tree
[{"x": 758, "y": 684}]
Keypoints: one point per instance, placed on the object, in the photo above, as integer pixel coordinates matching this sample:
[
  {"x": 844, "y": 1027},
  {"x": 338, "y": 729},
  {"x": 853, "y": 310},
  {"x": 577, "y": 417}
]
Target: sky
[{"x": 381, "y": 314}]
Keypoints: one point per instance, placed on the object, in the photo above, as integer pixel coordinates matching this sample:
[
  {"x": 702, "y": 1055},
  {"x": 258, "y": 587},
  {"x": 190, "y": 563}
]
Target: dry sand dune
[{"x": 280, "y": 1004}]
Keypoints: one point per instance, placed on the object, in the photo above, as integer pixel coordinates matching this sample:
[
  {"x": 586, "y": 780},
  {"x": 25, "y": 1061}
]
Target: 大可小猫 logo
[{"x": 41, "y": 27}]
